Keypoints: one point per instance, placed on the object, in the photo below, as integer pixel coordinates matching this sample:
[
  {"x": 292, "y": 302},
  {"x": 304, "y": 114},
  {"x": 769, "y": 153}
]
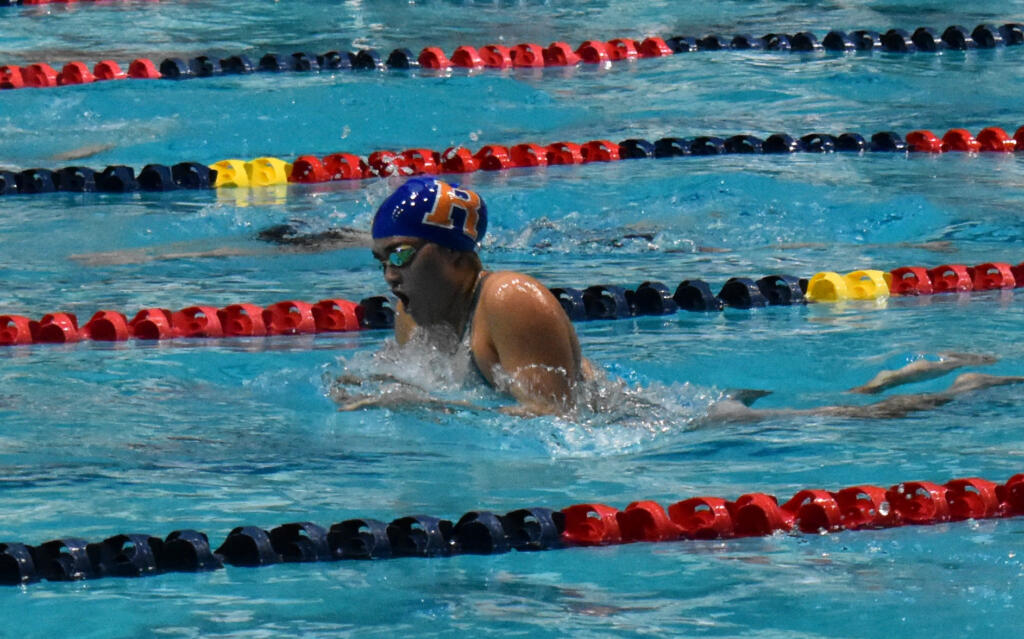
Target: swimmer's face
[{"x": 418, "y": 273}]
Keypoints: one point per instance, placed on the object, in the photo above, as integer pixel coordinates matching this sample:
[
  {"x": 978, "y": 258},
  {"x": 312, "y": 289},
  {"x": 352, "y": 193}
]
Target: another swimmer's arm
[{"x": 534, "y": 345}]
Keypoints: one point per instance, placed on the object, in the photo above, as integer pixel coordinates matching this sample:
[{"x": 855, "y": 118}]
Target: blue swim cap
[{"x": 435, "y": 211}]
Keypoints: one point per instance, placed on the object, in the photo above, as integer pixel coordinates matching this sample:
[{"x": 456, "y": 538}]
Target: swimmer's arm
[
  {"x": 534, "y": 345},
  {"x": 404, "y": 324}
]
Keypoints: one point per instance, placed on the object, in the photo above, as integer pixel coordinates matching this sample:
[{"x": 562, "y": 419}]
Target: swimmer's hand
[
  {"x": 528, "y": 410},
  {"x": 392, "y": 393},
  {"x": 392, "y": 401}
]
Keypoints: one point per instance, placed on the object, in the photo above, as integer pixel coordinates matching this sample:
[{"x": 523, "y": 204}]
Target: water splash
[{"x": 431, "y": 382}]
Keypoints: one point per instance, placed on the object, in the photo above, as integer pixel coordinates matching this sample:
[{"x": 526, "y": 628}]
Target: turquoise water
[{"x": 99, "y": 439}]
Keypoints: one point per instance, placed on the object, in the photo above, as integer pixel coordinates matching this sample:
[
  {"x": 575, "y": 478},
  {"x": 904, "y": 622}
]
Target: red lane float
[
  {"x": 955, "y": 278},
  {"x": 527, "y": 56},
  {"x": 152, "y": 324},
  {"x": 910, "y": 280},
  {"x": 950, "y": 278},
  {"x": 496, "y": 56},
  {"x": 960, "y": 140},
  {"x": 15, "y": 329},
  {"x": 308, "y": 168},
  {"x": 143, "y": 69},
  {"x": 494, "y": 157},
  {"x": 11, "y": 77},
  {"x": 973, "y": 498},
  {"x": 702, "y": 517},
  {"x": 337, "y": 315},
  {"x": 237, "y": 320},
  {"x": 197, "y": 321},
  {"x": 56, "y": 328},
  {"x": 591, "y": 525},
  {"x": 344, "y": 166},
  {"x": 560, "y": 54},
  {"x": 647, "y": 521},
  {"x": 923, "y": 142},
  {"x": 289, "y": 318},
  {"x": 108, "y": 70},
  {"x": 594, "y": 52},
  {"x": 814, "y": 511},
  {"x": 107, "y": 326},
  {"x": 992, "y": 275},
  {"x": 623, "y": 49},
  {"x": 433, "y": 58},
  {"x": 565, "y": 153},
  {"x": 458, "y": 160},
  {"x": 864, "y": 507},
  {"x": 467, "y": 58},
  {"x": 995, "y": 140},
  {"x": 39, "y": 75},
  {"x": 242, "y": 320},
  {"x": 524, "y": 155},
  {"x": 75, "y": 73},
  {"x": 1011, "y": 495},
  {"x": 654, "y": 47},
  {"x": 600, "y": 151},
  {"x": 810, "y": 511}
]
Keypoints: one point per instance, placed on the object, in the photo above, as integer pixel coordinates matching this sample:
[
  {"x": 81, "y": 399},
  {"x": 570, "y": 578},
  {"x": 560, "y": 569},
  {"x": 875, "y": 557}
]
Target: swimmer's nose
[{"x": 392, "y": 275}]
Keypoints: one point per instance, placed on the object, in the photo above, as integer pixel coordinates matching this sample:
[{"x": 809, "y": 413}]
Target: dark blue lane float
[
  {"x": 479, "y": 532},
  {"x": 112, "y": 179}
]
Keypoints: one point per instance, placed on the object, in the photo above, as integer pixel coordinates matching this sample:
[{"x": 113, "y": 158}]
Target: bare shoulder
[
  {"x": 509, "y": 297},
  {"x": 516, "y": 293},
  {"x": 522, "y": 328}
]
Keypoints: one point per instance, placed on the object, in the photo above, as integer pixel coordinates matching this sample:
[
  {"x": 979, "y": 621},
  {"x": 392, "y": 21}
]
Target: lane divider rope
[
  {"x": 599, "y": 302},
  {"x": 525, "y": 55},
  {"x": 811, "y": 511},
  {"x": 309, "y": 168},
  {"x": 12, "y": 3}
]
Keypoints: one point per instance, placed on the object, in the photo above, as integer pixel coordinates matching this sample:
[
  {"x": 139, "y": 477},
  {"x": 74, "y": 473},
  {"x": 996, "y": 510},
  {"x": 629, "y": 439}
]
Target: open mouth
[{"x": 403, "y": 298}]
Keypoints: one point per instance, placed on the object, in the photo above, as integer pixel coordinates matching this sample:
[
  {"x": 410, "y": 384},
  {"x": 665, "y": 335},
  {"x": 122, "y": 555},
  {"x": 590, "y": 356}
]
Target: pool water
[{"x": 99, "y": 439}]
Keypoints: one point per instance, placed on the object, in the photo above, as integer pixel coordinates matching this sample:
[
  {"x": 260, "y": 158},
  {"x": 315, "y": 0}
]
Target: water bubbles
[
  {"x": 432, "y": 379},
  {"x": 884, "y": 509}
]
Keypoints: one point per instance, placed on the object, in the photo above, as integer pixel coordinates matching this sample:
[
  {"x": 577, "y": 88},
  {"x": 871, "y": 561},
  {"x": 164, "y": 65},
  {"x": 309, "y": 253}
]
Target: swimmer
[
  {"x": 516, "y": 334},
  {"x": 509, "y": 325},
  {"x": 285, "y": 238}
]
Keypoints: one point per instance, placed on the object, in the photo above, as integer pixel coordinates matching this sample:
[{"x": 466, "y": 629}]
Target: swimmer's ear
[
  {"x": 746, "y": 396},
  {"x": 467, "y": 258}
]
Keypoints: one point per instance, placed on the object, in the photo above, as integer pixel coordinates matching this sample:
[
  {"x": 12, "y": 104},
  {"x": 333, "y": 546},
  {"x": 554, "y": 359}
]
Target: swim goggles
[{"x": 399, "y": 256}]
